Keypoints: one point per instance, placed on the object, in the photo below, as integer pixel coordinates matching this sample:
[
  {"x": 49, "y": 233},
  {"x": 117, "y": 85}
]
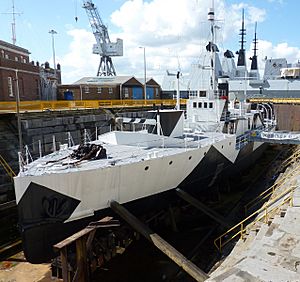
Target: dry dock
[{"x": 270, "y": 248}]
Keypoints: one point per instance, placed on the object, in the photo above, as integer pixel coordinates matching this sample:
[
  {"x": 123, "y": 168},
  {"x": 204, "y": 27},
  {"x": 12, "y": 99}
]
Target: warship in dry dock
[{"x": 58, "y": 194}]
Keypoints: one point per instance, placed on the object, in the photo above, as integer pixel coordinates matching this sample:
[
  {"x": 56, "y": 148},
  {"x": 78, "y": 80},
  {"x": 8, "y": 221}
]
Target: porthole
[
  {"x": 147, "y": 167},
  {"x": 190, "y": 157},
  {"x": 222, "y": 146},
  {"x": 204, "y": 153},
  {"x": 170, "y": 162}
]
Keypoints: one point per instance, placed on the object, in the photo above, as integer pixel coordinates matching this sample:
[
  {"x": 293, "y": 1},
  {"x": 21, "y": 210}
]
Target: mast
[
  {"x": 254, "y": 57},
  {"x": 241, "y": 52},
  {"x": 13, "y": 24},
  {"x": 254, "y": 67},
  {"x": 212, "y": 47}
]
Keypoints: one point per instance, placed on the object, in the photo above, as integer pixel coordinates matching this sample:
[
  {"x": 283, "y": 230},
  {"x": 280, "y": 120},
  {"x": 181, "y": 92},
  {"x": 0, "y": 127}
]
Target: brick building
[
  {"x": 109, "y": 88},
  {"x": 35, "y": 82}
]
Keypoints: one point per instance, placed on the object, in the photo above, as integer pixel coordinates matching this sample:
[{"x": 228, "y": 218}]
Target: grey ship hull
[{"x": 39, "y": 237}]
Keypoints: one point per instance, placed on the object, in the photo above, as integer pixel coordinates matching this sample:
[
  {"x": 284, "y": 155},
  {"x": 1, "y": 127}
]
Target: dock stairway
[
  {"x": 280, "y": 196},
  {"x": 268, "y": 249}
]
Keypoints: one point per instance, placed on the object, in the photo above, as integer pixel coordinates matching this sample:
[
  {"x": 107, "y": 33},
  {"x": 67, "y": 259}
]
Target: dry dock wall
[{"x": 288, "y": 117}]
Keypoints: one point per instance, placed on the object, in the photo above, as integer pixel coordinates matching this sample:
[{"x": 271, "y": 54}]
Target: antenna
[{"x": 13, "y": 24}]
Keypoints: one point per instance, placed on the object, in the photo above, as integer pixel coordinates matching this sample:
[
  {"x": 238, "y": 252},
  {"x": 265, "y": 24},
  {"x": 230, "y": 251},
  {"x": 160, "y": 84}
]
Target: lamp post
[
  {"x": 18, "y": 113},
  {"x": 145, "y": 87},
  {"x": 52, "y": 32}
]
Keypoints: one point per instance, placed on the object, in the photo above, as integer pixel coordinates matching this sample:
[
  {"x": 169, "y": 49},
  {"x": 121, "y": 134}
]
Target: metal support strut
[
  {"x": 196, "y": 203},
  {"x": 160, "y": 243}
]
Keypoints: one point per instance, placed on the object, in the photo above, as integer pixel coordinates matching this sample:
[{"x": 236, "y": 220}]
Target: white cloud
[
  {"x": 173, "y": 33},
  {"x": 79, "y": 61}
]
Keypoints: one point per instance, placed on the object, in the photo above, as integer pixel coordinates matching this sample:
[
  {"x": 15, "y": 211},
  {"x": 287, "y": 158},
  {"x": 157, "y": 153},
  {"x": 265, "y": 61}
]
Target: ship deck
[{"x": 117, "y": 154}]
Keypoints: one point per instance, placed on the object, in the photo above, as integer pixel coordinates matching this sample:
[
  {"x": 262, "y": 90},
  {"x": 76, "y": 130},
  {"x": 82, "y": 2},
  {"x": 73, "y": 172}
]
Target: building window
[
  {"x": 6, "y": 56},
  {"x": 86, "y": 89},
  {"x": 99, "y": 90},
  {"x": 205, "y": 105},
  {"x": 110, "y": 90},
  {"x": 210, "y": 105},
  {"x": 126, "y": 92},
  {"x": 200, "y": 105},
  {"x": 2, "y": 53},
  {"x": 156, "y": 92},
  {"x": 21, "y": 87},
  {"x": 202, "y": 93},
  {"x": 193, "y": 93},
  {"x": 37, "y": 89},
  {"x": 194, "y": 104},
  {"x": 16, "y": 59},
  {"x": 10, "y": 87}
]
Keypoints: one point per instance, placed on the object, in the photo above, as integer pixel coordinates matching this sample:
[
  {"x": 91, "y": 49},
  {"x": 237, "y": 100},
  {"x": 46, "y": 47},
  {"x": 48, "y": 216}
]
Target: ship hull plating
[{"x": 50, "y": 220}]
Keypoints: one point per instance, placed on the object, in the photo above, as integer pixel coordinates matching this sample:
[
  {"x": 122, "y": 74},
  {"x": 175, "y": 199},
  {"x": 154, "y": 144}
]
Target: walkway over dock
[
  {"x": 275, "y": 137},
  {"x": 39, "y": 106}
]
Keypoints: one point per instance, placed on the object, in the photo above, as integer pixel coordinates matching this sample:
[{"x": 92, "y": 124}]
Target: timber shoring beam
[
  {"x": 196, "y": 203},
  {"x": 160, "y": 243},
  {"x": 83, "y": 240}
]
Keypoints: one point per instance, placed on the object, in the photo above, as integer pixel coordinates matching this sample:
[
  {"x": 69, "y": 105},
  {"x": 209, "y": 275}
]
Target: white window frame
[
  {"x": 126, "y": 92},
  {"x": 10, "y": 86}
]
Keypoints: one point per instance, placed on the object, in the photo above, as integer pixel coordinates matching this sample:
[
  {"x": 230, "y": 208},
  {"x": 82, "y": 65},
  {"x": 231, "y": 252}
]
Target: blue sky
[{"x": 172, "y": 32}]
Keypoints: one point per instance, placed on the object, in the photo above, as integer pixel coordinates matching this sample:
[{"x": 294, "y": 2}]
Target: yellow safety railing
[
  {"x": 264, "y": 195},
  {"x": 276, "y": 100},
  {"x": 7, "y": 167},
  {"x": 242, "y": 227},
  {"x": 82, "y": 104},
  {"x": 294, "y": 157}
]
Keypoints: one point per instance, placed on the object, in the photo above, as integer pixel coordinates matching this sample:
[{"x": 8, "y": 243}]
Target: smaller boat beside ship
[{"x": 60, "y": 193}]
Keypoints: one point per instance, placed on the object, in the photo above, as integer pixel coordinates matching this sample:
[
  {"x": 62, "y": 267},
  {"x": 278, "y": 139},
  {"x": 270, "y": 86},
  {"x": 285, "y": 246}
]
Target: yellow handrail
[
  {"x": 271, "y": 189},
  {"x": 242, "y": 225},
  {"x": 291, "y": 158},
  {"x": 82, "y": 104},
  {"x": 7, "y": 168},
  {"x": 276, "y": 100}
]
